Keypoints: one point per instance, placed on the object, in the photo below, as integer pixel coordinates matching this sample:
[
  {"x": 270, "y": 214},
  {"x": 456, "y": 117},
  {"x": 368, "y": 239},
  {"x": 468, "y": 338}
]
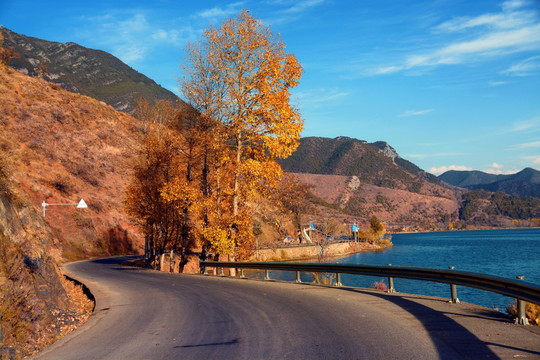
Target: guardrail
[{"x": 519, "y": 289}]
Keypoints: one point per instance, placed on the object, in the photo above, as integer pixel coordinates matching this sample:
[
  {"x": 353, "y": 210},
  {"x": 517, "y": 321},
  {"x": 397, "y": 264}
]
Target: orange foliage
[{"x": 239, "y": 76}]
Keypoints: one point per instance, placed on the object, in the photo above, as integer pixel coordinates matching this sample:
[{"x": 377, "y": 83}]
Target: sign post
[
  {"x": 355, "y": 232},
  {"x": 80, "y": 205}
]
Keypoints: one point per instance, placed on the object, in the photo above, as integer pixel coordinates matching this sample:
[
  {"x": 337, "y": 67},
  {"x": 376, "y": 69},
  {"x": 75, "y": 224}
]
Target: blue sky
[{"x": 449, "y": 84}]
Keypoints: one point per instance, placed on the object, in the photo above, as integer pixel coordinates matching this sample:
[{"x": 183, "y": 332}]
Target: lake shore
[{"x": 311, "y": 251}]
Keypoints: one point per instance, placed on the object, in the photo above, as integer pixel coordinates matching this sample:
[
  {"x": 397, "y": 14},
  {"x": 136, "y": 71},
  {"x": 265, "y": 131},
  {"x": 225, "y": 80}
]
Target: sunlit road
[{"x": 144, "y": 314}]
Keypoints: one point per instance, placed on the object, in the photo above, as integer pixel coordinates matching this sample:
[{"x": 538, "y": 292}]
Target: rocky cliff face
[
  {"x": 34, "y": 305},
  {"x": 86, "y": 71}
]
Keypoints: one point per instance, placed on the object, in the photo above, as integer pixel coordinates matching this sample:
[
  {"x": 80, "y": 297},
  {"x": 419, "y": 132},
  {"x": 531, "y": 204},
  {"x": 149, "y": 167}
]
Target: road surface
[{"x": 145, "y": 314}]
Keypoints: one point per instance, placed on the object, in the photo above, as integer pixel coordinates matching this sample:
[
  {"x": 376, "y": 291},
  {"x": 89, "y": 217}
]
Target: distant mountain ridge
[
  {"x": 523, "y": 183},
  {"x": 90, "y": 72},
  {"x": 374, "y": 163}
]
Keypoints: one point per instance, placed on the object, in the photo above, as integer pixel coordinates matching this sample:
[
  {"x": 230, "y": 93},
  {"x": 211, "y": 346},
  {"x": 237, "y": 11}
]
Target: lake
[{"x": 504, "y": 253}]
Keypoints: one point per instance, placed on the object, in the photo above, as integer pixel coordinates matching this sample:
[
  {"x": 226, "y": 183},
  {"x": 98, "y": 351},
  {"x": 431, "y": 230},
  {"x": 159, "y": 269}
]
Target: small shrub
[
  {"x": 380, "y": 285},
  {"x": 36, "y": 143},
  {"x": 62, "y": 183},
  {"x": 532, "y": 311},
  {"x": 324, "y": 278},
  {"x": 102, "y": 135},
  {"x": 58, "y": 116},
  {"x": 4, "y": 172}
]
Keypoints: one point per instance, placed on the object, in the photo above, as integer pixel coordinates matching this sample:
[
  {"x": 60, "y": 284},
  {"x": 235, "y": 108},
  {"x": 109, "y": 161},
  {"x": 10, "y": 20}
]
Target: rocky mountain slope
[
  {"x": 358, "y": 179},
  {"x": 56, "y": 146},
  {"x": 34, "y": 304},
  {"x": 523, "y": 183},
  {"x": 63, "y": 147},
  {"x": 376, "y": 163},
  {"x": 353, "y": 180},
  {"x": 95, "y": 73}
]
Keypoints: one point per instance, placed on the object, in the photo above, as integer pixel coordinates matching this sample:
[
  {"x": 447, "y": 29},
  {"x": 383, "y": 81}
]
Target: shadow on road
[
  {"x": 232, "y": 342},
  {"x": 445, "y": 330}
]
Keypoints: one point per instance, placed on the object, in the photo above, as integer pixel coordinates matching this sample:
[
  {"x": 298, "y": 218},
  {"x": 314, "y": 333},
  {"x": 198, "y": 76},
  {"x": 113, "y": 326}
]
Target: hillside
[
  {"x": 377, "y": 163},
  {"x": 352, "y": 180},
  {"x": 347, "y": 199},
  {"x": 523, "y": 183},
  {"x": 90, "y": 72},
  {"x": 63, "y": 147}
]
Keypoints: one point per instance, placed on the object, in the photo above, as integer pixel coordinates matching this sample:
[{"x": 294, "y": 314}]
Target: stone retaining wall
[{"x": 312, "y": 251}]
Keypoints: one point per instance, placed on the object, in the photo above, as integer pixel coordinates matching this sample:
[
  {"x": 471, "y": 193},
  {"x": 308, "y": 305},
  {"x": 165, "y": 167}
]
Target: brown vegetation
[
  {"x": 63, "y": 147},
  {"x": 204, "y": 167},
  {"x": 335, "y": 196},
  {"x": 59, "y": 147},
  {"x": 532, "y": 311}
]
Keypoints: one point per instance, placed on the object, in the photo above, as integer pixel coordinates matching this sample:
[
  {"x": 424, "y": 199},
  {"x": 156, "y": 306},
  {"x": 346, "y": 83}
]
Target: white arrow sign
[{"x": 80, "y": 205}]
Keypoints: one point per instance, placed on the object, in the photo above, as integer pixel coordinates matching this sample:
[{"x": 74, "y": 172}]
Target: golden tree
[
  {"x": 240, "y": 76},
  {"x": 162, "y": 193}
]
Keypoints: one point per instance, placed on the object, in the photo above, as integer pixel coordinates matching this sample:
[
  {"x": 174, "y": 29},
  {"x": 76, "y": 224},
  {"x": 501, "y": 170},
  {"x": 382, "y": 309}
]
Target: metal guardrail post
[
  {"x": 521, "y": 308},
  {"x": 205, "y": 270},
  {"x": 338, "y": 280},
  {"x": 221, "y": 273},
  {"x": 391, "y": 288},
  {"x": 453, "y": 290},
  {"x": 242, "y": 276},
  {"x": 298, "y": 280},
  {"x": 522, "y": 291},
  {"x": 266, "y": 274}
]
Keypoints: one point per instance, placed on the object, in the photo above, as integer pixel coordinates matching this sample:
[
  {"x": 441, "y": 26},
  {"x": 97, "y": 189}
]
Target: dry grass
[
  {"x": 532, "y": 311},
  {"x": 62, "y": 147},
  {"x": 50, "y": 150}
]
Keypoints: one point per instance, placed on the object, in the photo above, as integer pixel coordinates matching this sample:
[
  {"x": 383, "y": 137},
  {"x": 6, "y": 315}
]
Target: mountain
[
  {"x": 56, "y": 146},
  {"x": 63, "y": 147},
  {"x": 376, "y": 163},
  {"x": 523, "y": 183},
  {"x": 469, "y": 178},
  {"x": 352, "y": 180},
  {"x": 90, "y": 72}
]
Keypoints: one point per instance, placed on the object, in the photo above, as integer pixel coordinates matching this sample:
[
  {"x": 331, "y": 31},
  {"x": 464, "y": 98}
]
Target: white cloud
[
  {"x": 220, "y": 12},
  {"x": 495, "y": 35},
  {"x": 528, "y": 145},
  {"x": 513, "y": 4},
  {"x": 525, "y": 67},
  {"x": 497, "y": 169},
  {"x": 525, "y": 125},
  {"x": 497, "y": 83},
  {"x": 500, "y": 171},
  {"x": 440, "y": 170},
  {"x": 291, "y": 10},
  {"x": 132, "y": 36},
  {"x": 415, "y": 112},
  {"x": 319, "y": 96},
  {"x": 302, "y": 6}
]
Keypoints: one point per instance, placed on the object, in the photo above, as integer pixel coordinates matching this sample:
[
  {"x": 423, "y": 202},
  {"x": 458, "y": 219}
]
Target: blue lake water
[{"x": 504, "y": 253}]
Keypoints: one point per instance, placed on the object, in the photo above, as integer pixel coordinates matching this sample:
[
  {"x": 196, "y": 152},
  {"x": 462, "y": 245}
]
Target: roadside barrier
[{"x": 519, "y": 289}]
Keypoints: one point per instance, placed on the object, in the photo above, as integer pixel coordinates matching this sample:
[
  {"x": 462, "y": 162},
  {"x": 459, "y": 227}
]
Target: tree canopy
[
  {"x": 239, "y": 75},
  {"x": 204, "y": 163}
]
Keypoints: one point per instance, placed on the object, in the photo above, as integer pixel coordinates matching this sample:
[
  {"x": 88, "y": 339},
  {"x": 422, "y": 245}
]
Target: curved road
[{"x": 145, "y": 314}]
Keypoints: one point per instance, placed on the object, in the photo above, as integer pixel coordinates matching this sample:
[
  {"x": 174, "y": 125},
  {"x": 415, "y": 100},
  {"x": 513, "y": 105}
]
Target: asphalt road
[{"x": 145, "y": 314}]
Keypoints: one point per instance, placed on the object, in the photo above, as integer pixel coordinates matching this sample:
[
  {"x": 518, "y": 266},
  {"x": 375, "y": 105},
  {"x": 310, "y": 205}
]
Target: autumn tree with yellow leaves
[
  {"x": 239, "y": 76},
  {"x": 204, "y": 162}
]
